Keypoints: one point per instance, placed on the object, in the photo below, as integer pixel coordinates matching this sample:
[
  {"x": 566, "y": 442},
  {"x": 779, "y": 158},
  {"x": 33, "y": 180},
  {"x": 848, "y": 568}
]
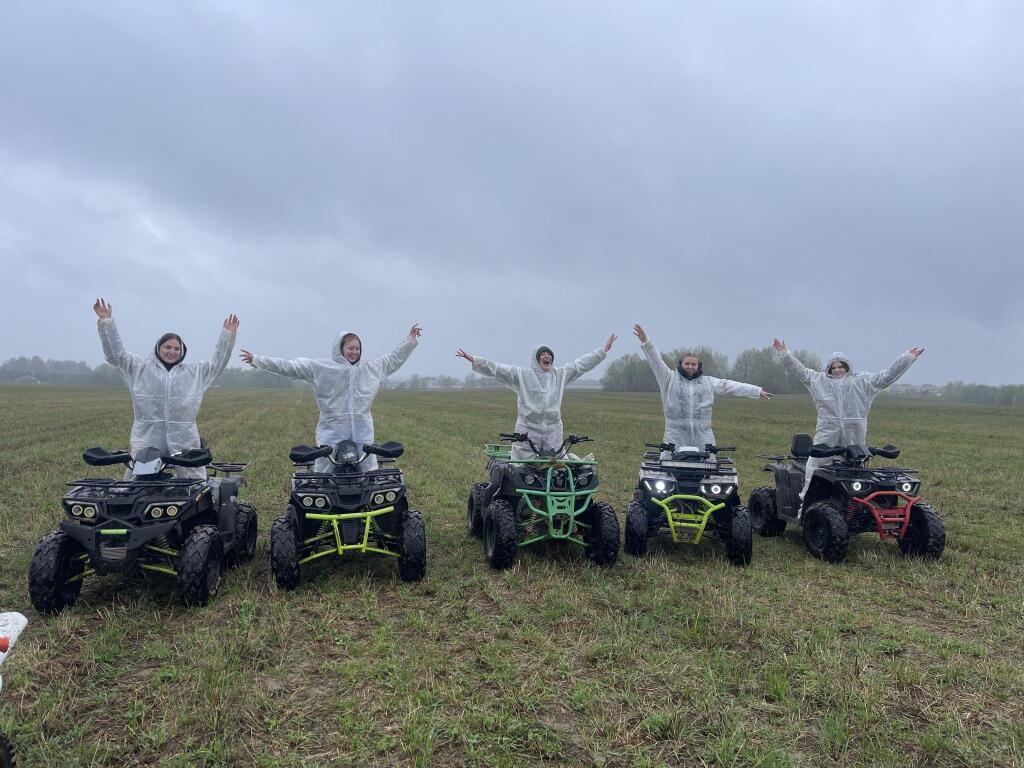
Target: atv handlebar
[
  {"x": 191, "y": 458},
  {"x": 886, "y": 451}
]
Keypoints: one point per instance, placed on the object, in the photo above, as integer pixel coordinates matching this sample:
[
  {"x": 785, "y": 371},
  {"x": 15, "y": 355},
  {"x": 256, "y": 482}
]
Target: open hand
[
  {"x": 463, "y": 353},
  {"x": 102, "y": 309},
  {"x": 231, "y": 323},
  {"x": 415, "y": 332},
  {"x": 608, "y": 344},
  {"x": 765, "y": 395},
  {"x": 247, "y": 356},
  {"x": 640, "y": 333},
  {"x": 779, "y": 345}
]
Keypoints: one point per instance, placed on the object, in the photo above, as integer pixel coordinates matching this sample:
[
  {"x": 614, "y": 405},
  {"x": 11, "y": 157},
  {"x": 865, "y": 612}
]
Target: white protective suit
[
  {"x": 538, "y": 396},
  {"x": 166, "y": 402},
  {"x": 344, "y": 392},
  {"x": 687, "y": 402},
  {"x": 842, "y": 403}
]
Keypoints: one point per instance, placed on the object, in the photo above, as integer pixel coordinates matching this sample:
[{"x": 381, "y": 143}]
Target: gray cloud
[{"x": 841, "y": 176}]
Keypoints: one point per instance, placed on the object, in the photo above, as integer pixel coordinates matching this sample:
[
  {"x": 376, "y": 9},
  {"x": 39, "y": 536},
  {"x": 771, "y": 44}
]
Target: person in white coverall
[
  {"x": 539, "y": 388},
  {"x": 344, "y": 388},
  {"x": 842, "y": 398},
  {"x": 166, "y": 391},
  {"x": 687, "y": 396}
]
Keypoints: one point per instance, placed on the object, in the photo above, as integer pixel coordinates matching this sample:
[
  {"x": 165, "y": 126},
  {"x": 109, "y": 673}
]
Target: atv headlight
[
  {"x": 321, "y": 502},
  {"x": 172, "y": 510},
  {"x": 583, "y": 479},
  {"x": 716, "y": 489},
  {"x": 909, "y": 488},
  {"x": 76, "y": 510},
  {"x": 156, "y": 512},
  {"x": 378, "y": 498},
  {"x": 528, "y": 479},
  {"x": 859, "y": 486},
  {"x": 89, "y": 511},
  {"x": 390, "y": 496},
  {"x": 659, "y": 487},
  {"x": 307, "y": 501}
]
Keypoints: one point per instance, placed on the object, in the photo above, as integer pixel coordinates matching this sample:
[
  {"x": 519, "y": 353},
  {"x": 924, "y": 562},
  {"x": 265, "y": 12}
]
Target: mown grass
[{"x": 675, "y": 659}]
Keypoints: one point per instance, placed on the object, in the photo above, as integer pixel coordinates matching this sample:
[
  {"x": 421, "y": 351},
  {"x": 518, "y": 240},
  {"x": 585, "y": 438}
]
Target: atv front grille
[{"x": 111, "y": 551}]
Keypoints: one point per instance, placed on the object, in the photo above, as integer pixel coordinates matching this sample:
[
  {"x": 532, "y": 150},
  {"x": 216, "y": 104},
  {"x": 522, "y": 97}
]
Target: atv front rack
[
  {"x": 340, "y": 547},
  {"x": 679, "y": 520}
]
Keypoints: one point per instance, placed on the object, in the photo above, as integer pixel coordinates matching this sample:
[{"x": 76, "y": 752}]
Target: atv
[
  {"x": 549, "y": 497},
  {"x": 684, "y": 495},
  {"x": 182, "y": 527},
  {"x": 11, "y": 625},
  {"x": 846, "y": 497},
  {"x": 349, "y": 509}
]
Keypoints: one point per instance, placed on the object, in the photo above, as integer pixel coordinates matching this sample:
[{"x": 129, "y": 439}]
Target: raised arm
[
  {"x": 661, "y": 371},
  {"x": 587, "y": 362},
  {"x": 392, "y": 361},
  {"x": 299, "y": 368},
  {"x": 738, "y": 389},
  {"x": 790, "y": 362},
  {"x": 888, "y": 377},
  {"x": 506, "y": 374},
  {"x": 113, "y": 348},
  {"x": 210, "y": 369}
]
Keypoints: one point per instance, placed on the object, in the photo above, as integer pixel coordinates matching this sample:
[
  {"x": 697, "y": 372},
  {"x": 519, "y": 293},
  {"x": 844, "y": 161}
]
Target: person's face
[
  {"x": 690, "y": 365},
  {"x": 545, "y": 360},
  {"x": 351, "y": 350},
  {"x": 170, "y": 351},
  {"x": 837, "y": 370}
]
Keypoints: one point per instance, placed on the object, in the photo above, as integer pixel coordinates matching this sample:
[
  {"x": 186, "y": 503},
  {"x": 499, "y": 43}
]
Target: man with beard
[{"x": 687, "y": 395}]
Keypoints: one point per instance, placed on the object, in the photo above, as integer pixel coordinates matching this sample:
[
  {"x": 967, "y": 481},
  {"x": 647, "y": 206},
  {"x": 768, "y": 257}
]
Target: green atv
[{"x": 547, "y": 498}]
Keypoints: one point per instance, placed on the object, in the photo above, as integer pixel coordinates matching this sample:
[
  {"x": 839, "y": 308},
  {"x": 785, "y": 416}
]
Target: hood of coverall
[
  {"x": 535, "y": 361},
  {"x": 161, "y": 340},
  {"x": 841, "y": 358},
  {"x": 336, "y": 350}
]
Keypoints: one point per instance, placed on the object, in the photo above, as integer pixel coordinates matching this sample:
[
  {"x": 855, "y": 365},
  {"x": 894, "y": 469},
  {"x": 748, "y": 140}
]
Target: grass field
[{"x": 677, "y": 659}]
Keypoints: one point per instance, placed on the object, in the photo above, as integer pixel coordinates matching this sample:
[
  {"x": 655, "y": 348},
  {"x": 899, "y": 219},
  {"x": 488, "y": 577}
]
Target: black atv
[
  {"x": 845, "y": 498},
  {"x": 347, "y": 510},
  {"x": 549, "y": 497},
  {"x": 684, "y": 496},
  {"x": 182, "y": 527}
]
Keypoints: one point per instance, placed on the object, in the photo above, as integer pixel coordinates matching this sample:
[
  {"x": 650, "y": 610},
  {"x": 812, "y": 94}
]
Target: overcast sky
[{"x": 844, "y": 175}]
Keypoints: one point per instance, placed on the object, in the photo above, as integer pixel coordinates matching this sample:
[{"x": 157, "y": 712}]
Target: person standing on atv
[
  {"x": 687, "y": 395},
  {"x": 344, "y": 387},
  {"x": 842, "y": 398},
  {"x": 166, "y": 391},
  {"x": 539, "y": 388}
]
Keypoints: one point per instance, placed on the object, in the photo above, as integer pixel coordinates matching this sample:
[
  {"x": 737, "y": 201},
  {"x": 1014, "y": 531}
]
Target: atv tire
[
  {"x": 826, "y": 534},
  {"x": 245, "y": 533},
  {"x": 200, "y": 566},
  {"x": 739, "y": 542},
  {"x": 474, "y": 510},
  {"x": 55, "y": 561},
  {"x": 926, "y": 533},
  {"x": 501, "y": 533},
  {"x": 603, "y": 534},
  {"x": 412, "y": 553},
  {"x": 284, "y": 552},
  {"x": 763, "y": 518},
  {"x": 7, "y": 756},
  {"x": 636, "y": 543}
]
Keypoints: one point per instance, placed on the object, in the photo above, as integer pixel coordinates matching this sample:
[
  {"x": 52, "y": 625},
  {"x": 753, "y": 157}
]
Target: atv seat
[{"x": 800, "y": 447}]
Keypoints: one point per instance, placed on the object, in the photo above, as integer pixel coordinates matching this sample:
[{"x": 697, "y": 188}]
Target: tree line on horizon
[{"x": 628, "y": 373}]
